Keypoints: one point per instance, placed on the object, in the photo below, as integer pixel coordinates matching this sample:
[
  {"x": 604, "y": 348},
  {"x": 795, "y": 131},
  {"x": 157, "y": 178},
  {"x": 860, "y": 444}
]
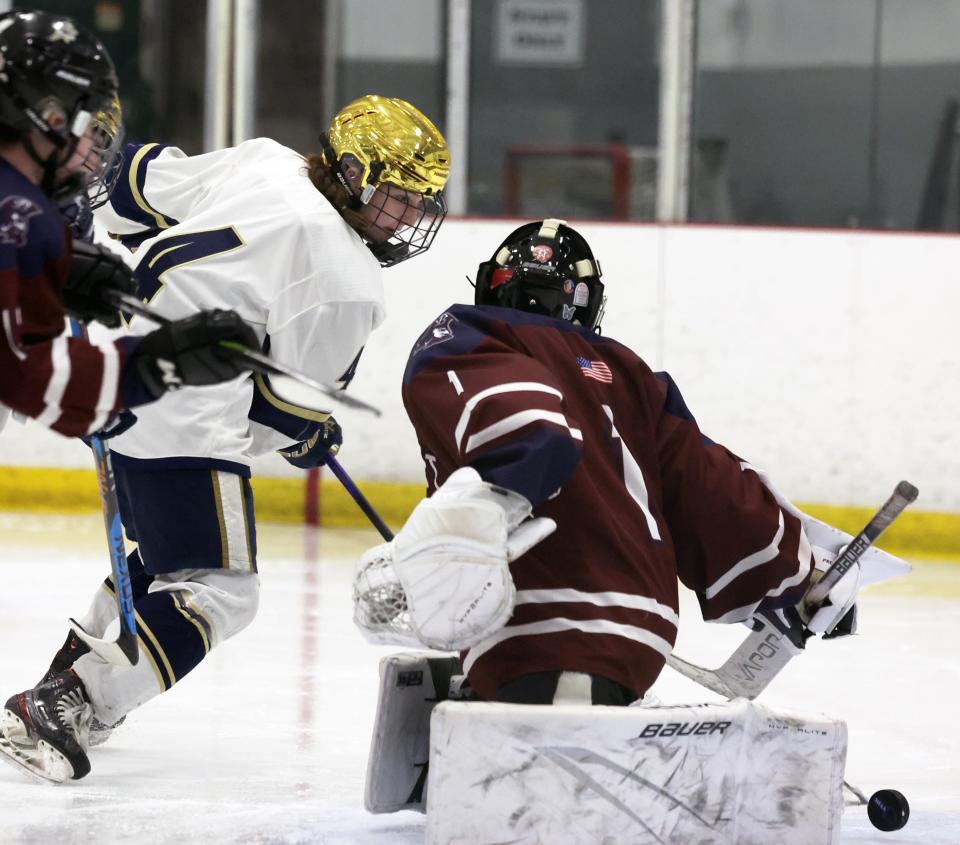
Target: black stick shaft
[{"x": 904, "y": 494}]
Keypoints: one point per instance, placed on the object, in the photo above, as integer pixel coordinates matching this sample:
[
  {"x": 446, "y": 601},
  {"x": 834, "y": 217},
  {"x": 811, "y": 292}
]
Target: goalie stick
[
  {"x": 773, "y": 643},
  {"x": 124, "y": 650},
  {"x": 292, "y": 385}
]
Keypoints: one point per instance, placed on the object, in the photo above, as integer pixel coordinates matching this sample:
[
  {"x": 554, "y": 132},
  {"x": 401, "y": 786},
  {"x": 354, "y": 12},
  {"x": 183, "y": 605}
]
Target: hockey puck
[{"x": 888, "y": 810}]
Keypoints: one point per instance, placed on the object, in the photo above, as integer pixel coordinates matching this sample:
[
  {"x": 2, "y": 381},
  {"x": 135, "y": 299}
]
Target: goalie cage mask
[{"x": 546, "y": 268}]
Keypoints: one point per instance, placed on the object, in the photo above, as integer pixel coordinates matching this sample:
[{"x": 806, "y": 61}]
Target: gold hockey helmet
[
  {"x": 393, "y": 142},
  {"x": 404, "y": 164}
]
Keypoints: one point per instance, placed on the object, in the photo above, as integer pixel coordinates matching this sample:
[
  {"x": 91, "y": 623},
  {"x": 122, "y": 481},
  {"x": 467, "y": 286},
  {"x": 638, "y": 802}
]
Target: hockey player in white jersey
[{"x": 294, "y": 244}]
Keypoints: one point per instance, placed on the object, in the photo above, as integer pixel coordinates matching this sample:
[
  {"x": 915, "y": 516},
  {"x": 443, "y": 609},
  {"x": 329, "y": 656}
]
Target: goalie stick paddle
[
  {"x": 124, "y": 651},
  {"x": 289, "y": 384},
  {"x": 772, "y": 643}
]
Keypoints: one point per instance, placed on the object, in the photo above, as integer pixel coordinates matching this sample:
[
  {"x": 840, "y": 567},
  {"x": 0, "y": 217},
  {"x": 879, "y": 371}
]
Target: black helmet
[
  {"x": 54, "y": 77},
  {"x": 545, "y": 268}
]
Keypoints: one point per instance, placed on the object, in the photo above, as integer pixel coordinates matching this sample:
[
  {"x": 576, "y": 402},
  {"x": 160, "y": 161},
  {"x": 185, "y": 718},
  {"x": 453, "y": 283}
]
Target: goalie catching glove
[{"x": 444, "y": 581}]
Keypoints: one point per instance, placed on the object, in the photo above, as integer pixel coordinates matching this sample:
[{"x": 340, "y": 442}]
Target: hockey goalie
[{"x": 571, "y": 489}]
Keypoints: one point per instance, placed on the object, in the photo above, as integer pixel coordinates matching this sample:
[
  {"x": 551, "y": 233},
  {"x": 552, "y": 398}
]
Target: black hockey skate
[
  {"x": 72, "y": 648},
  {"x": 45, "y": 730}
]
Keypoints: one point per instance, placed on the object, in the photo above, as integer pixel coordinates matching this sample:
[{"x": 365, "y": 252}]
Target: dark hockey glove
[
  {"x": 314, "y": 451},
  {"x": 189, "y": 351},
  {"x": 79, "y": 216},
  {"x": 94, "y": 271},
  {"x": 118, "y": 425}
]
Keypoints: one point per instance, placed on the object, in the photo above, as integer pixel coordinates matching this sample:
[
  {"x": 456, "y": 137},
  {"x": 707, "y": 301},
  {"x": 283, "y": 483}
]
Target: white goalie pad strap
[
  {"x": 446, "y": 574},
  {"x": 713, "y": 774}
]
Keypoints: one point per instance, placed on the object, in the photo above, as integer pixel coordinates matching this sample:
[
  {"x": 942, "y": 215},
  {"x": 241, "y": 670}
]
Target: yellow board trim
[{"x": 916, "y": 534}]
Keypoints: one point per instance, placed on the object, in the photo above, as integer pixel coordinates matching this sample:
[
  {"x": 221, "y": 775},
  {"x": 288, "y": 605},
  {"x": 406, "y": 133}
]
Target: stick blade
[{"x": 123, "y": 651}]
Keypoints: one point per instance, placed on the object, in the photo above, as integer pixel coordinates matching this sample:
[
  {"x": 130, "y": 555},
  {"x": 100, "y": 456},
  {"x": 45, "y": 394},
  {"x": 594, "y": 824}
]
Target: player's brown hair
[{"x": 339, "y": 197}]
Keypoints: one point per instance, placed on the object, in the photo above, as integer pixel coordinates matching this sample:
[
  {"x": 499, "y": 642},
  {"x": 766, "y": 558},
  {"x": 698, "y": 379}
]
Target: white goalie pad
[
  {"x": 411, "y": 685},
  {"x": 735, "y": 773}
]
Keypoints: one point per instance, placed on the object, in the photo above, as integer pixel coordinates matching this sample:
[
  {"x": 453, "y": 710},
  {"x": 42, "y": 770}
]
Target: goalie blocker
[{"x": 711, "y": 773}]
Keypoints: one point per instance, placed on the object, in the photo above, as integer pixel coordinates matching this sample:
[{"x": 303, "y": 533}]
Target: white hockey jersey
[{"x": 245, "y": 229}]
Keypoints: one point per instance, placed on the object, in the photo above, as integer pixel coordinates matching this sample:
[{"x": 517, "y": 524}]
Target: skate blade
[{"x": 41, "y": 761}]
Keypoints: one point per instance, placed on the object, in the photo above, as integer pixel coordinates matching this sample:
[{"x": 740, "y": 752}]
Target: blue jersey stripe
[{"x": 127, "y": 198}]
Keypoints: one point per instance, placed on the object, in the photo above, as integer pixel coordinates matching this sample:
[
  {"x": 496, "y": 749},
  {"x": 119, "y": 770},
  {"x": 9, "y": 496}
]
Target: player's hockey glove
[
  {"x": 95, "y": 270},
  {"x": 122, "y": 422},
  {"x": 313, "y": 452},
  {"x": 79, "y": 216},
  {"x": 450, "y": 566},
  {"x": 836, "y": 616},
  {"x": 189, "y": 351}
]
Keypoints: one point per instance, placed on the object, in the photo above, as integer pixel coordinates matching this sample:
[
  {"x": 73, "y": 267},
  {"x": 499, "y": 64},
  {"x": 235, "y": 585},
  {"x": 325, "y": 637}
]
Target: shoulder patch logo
[
  {"x": 15, "y": 214},
  {"x": 440, "y": 331}
]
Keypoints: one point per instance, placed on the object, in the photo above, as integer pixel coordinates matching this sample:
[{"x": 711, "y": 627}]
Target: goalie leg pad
[
  {"x": 411, "y": 685},
  {"x": 711, "y": 774}
]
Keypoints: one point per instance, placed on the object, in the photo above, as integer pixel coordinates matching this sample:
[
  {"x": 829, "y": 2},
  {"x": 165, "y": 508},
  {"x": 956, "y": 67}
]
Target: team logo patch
[
  {"x": 596, "y": 370},
  {"x": 541, "y": 253},
  {"x": 440, "y": 331},
  {"x": 15, "y": 214}
]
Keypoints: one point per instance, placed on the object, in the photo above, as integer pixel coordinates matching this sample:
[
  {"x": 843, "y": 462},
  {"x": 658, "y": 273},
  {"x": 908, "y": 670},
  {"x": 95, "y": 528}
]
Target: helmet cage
[
  {"x": 105, "y": 159},
  {"x": 407, "y": 238},
  {"x": 544, "y": 268}
]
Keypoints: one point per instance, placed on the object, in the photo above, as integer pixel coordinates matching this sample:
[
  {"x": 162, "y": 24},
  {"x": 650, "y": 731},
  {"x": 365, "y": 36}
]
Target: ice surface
[{"x": 267, "y": 741}]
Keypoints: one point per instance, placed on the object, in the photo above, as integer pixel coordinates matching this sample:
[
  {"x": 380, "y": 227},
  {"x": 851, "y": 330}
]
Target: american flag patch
[{"x": 595, "y": 370}]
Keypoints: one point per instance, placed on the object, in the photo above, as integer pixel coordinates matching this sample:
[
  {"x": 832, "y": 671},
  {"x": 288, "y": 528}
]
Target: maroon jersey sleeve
[
  {"x": 67, "y": 384},
  {"x": 735, "y": 546}
]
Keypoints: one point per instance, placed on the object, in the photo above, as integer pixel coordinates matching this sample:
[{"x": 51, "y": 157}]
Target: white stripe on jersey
[
  {"x": 511, "y": 387},
  {"x": 607, "y": 599},
  {"x": 53, "y": 395},
  {"x": 560, "y": 624},
  {"x": 804, "y": 556},
  {"x": 8, "y": 331},
  {"x": 516, "y": 421},
  {"x": 234, "y": 533},
  {"x": 751, "y": 561},
  {"x": 108, "y": 386}
]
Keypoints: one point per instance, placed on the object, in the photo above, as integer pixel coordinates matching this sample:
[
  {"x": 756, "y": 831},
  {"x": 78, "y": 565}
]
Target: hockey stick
[
  {"x": 359, "y": 498},
  {"x": 291, "y": 385},
  {"x": 773, "y": 642},
  {"x": 124, "y": 651}
]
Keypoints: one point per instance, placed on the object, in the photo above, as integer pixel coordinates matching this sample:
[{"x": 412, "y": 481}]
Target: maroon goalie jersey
[{"x": 584, "y": 429}]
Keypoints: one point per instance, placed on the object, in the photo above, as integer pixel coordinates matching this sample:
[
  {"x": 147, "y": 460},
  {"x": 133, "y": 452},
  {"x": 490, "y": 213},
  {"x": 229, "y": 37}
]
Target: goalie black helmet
[
  {"x": 55, "y": 77},
  {"x": 545, "y": 268}
]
